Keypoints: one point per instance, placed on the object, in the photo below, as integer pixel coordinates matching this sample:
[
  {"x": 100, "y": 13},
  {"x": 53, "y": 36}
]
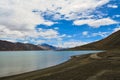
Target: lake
[{"x": 16, "y": 62}]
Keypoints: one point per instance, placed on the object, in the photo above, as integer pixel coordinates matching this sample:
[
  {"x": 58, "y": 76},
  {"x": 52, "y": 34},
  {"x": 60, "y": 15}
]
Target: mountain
[
  {"x": 49, "y": 47},
  {"x": 9, "y": 46},
  {"x": 108, "y": 43}
]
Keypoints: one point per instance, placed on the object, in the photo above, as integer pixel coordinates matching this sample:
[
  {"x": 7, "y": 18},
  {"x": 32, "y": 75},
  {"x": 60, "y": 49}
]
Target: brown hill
[
  {"x": 9, "y": 46},
  {"x": 111, "y": 42}
]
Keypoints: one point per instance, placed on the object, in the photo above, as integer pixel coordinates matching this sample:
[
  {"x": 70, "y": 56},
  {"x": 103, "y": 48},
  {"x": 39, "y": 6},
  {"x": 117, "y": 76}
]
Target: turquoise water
[{"x": 16, "y": 62}]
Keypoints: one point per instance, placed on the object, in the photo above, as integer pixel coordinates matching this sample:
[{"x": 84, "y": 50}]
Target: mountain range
[
  {"x": 48, "y": 47},
  {"x": 10, "y": 46},
  {"x": 108, "y": 43}
]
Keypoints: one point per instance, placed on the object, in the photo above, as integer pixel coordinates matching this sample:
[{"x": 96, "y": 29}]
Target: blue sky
[{"x": 62, "y": 23}]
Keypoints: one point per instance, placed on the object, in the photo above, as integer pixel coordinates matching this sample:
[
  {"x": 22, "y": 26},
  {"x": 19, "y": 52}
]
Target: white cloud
[
  {"x": 56, "y": 28},
  {"x": 85, "y": 33},
  {"x": 16, "y": 34},
  {"x": 11, "y": 40},
  {"x": 116, "y": 16},
  {"x": 102, "y": 34},
  {"x": 69, "y": 36},
  {"x": 50, "y": 33},
  {"x": 70, "y": 44},
  {"x": 112, "y": 6},
  {"x": 116, "y": 29},
  {"x": 95, "y": 23},
  {"x": 17, "y": 19},
  {"x": 16, "y": 14},
  {"x": 40, "y": 41},
  {"x": 6, "y": 33}
]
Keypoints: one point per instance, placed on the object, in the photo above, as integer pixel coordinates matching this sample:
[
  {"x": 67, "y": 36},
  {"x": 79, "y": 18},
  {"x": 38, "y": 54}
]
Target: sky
[{"x": 62, "y": 23}]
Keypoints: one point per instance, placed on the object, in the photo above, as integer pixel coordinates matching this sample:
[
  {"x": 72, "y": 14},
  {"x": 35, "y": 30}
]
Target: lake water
[{"x": 16, "y": 62}]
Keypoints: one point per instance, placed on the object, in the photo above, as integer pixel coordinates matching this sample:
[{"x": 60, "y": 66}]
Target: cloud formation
[
  {"x": 18, "y": 15},
  {"x": 116, "y": 29},
  {"x": 70, "y": 44},
  {"x": 112, "y": 6},
  {"x": 19, "y": 18},
  {"x": 85, "y": 33},
  {"x": 96, "y": 23}
]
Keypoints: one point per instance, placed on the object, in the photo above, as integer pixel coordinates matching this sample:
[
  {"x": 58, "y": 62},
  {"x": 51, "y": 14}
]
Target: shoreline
[
  {"x": 78, "y": 66},
  {"x": 29, "y": 72},
  {"x": 70, "y": 57},
  {"x": 44, "y": 69}
]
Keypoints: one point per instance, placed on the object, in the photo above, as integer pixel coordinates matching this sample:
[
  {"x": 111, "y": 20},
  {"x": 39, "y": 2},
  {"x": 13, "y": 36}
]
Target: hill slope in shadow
[
  {"x": 9, "y": 46},
  {"x": 111, "y": 42}
]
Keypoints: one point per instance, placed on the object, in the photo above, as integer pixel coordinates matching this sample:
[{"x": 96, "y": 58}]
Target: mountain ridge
[
  {"x": 110, "y": 42},
  {"x": 48, "y": 47},
  {"x": 9, "y": 46}
]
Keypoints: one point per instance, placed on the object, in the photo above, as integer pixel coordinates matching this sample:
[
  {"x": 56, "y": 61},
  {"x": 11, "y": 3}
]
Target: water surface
[{"x": 16, "y": 62}]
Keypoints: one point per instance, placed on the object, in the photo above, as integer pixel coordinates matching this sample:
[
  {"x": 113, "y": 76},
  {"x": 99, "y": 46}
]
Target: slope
[
  {"x": 111, "y": 42},
  {"x": 9, "y": 46}
]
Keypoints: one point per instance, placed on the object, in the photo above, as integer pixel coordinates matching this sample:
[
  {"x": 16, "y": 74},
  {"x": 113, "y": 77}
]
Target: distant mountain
[
  {"x": 48, "y": 47},
  {"x": 111, "y": 42},
  {"x": 9, "y": 46}
]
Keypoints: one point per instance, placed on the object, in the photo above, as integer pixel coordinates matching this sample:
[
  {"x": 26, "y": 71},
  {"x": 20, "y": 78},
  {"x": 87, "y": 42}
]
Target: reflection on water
[{"x": 16, "y": 62}]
